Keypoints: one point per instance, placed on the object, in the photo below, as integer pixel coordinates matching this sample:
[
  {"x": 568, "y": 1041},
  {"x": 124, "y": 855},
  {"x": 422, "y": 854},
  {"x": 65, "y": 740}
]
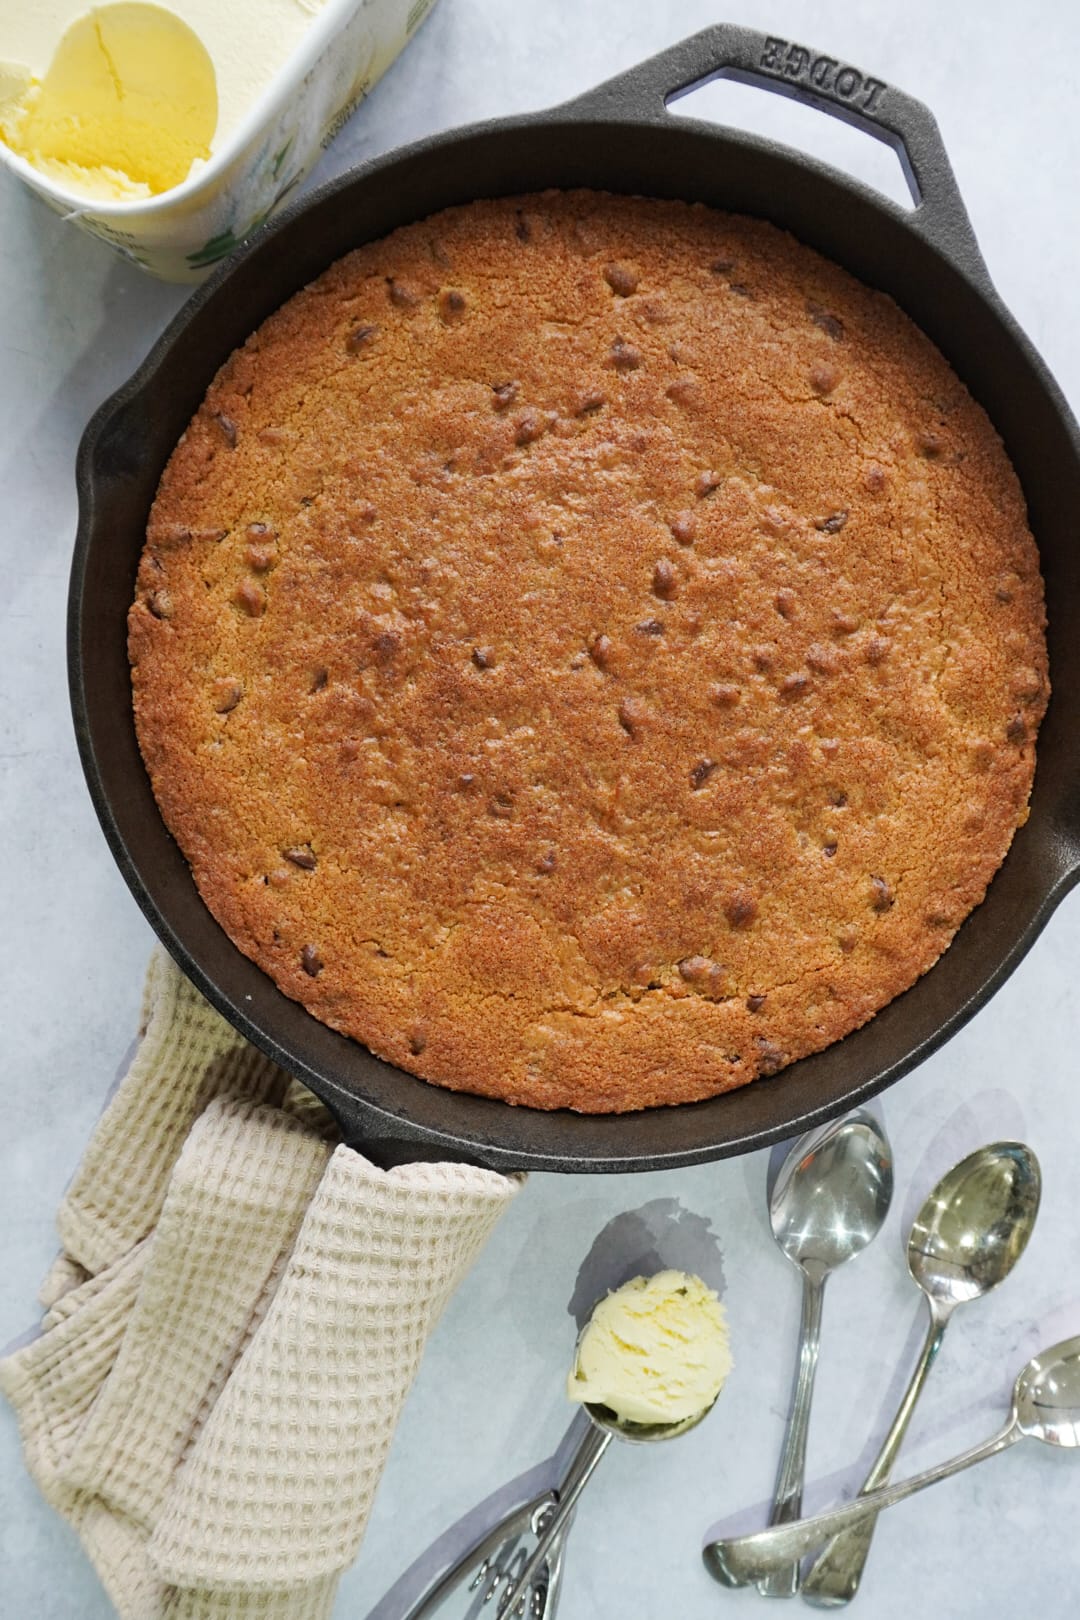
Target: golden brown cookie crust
[{"x": 590, "y": 650}]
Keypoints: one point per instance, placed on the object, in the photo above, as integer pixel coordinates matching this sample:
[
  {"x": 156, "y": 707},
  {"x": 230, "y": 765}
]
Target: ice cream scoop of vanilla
[{"x": 654, "y": 1351}]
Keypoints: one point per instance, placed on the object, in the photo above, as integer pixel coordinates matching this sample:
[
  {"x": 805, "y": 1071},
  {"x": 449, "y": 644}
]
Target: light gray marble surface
[{"x": 73, "y": 322}]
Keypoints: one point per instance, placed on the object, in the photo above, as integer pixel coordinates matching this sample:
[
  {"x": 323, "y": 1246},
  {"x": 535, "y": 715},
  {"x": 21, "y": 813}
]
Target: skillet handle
[
  {"x": 726, "y": 51},
  {"x": 391, "y": 1139}
]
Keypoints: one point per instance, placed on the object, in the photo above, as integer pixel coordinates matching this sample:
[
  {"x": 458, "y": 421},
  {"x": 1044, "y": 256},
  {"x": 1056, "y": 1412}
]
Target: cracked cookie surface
[{"x": 590, "y": 650}]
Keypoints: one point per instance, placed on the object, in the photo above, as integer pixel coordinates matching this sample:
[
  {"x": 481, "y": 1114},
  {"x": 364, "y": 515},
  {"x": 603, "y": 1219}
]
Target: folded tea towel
[{"x": 231, "y": 1330}]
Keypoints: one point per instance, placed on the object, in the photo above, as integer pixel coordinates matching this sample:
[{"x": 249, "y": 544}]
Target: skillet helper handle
[
  {"x": 393, "y": 1139},
  {"x": 386, "y": 1142},
  {"x": 818, "y": 79}
]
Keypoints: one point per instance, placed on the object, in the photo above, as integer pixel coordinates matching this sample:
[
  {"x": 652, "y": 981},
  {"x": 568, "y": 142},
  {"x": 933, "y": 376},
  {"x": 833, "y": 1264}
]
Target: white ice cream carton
[{"x": 182, "y": 233}]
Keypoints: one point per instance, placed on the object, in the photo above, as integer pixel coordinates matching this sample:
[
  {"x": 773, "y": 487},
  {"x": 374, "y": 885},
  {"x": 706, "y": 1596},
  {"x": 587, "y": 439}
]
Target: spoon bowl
[
  {"x": 975, "y": 1225},
  {"x": 1046, "y": 1399},
  {"x": 832, "y": 1194}
]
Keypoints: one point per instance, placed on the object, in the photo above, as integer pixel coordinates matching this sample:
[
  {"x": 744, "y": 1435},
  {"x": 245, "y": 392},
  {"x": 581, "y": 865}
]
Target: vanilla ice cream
[
  {"x": 654, "y": 1351},
  {"x": 126, "y": 100}
]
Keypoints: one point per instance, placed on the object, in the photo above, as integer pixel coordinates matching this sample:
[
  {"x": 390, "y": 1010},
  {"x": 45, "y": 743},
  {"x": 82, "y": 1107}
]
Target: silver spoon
[
  {"x": 966, "y": 1239},
  {"x": 829, "y": 1201},
  {"x": 604, "y": 1424},
  {"x": 1045, "y": 1406}
]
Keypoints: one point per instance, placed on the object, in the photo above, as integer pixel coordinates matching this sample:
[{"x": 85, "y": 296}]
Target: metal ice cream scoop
[
  {"x": 497, "y": 1573},
  {"x": 604, "y": 1424}
]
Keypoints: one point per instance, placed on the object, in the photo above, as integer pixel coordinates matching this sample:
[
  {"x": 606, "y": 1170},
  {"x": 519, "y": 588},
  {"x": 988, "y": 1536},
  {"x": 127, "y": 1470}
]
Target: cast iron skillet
[{"x": 619, "y": 137}]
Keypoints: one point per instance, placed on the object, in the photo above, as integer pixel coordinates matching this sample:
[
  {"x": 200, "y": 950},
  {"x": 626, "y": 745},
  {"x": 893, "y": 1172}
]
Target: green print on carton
[{"x": 220, "y": 246}]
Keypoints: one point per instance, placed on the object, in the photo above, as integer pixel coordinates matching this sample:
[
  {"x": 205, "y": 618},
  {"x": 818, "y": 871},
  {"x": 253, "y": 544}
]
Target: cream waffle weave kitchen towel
[{"x": 233, "y": 1325}]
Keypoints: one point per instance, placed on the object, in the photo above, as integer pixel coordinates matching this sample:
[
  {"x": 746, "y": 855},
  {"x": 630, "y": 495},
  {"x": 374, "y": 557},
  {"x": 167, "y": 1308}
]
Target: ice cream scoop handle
[{"x": 593, "y": 1445}]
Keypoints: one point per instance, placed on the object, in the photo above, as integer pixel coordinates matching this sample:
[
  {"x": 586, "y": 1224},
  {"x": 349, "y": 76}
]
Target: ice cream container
[{"x": 180, "y": 234}]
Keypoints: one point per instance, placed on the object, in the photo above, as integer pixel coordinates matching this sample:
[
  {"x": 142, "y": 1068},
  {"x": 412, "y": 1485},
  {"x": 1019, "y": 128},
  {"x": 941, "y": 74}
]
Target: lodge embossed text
[{"x": 837, "y": 80}]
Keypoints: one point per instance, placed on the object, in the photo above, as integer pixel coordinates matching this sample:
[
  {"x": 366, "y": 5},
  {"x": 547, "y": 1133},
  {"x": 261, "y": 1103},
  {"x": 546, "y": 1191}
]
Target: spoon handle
[
  {"x": 742, "y": 1559},
  {"x": 781, "y": 1580},
  {"x": 834, "y": 1578}
]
